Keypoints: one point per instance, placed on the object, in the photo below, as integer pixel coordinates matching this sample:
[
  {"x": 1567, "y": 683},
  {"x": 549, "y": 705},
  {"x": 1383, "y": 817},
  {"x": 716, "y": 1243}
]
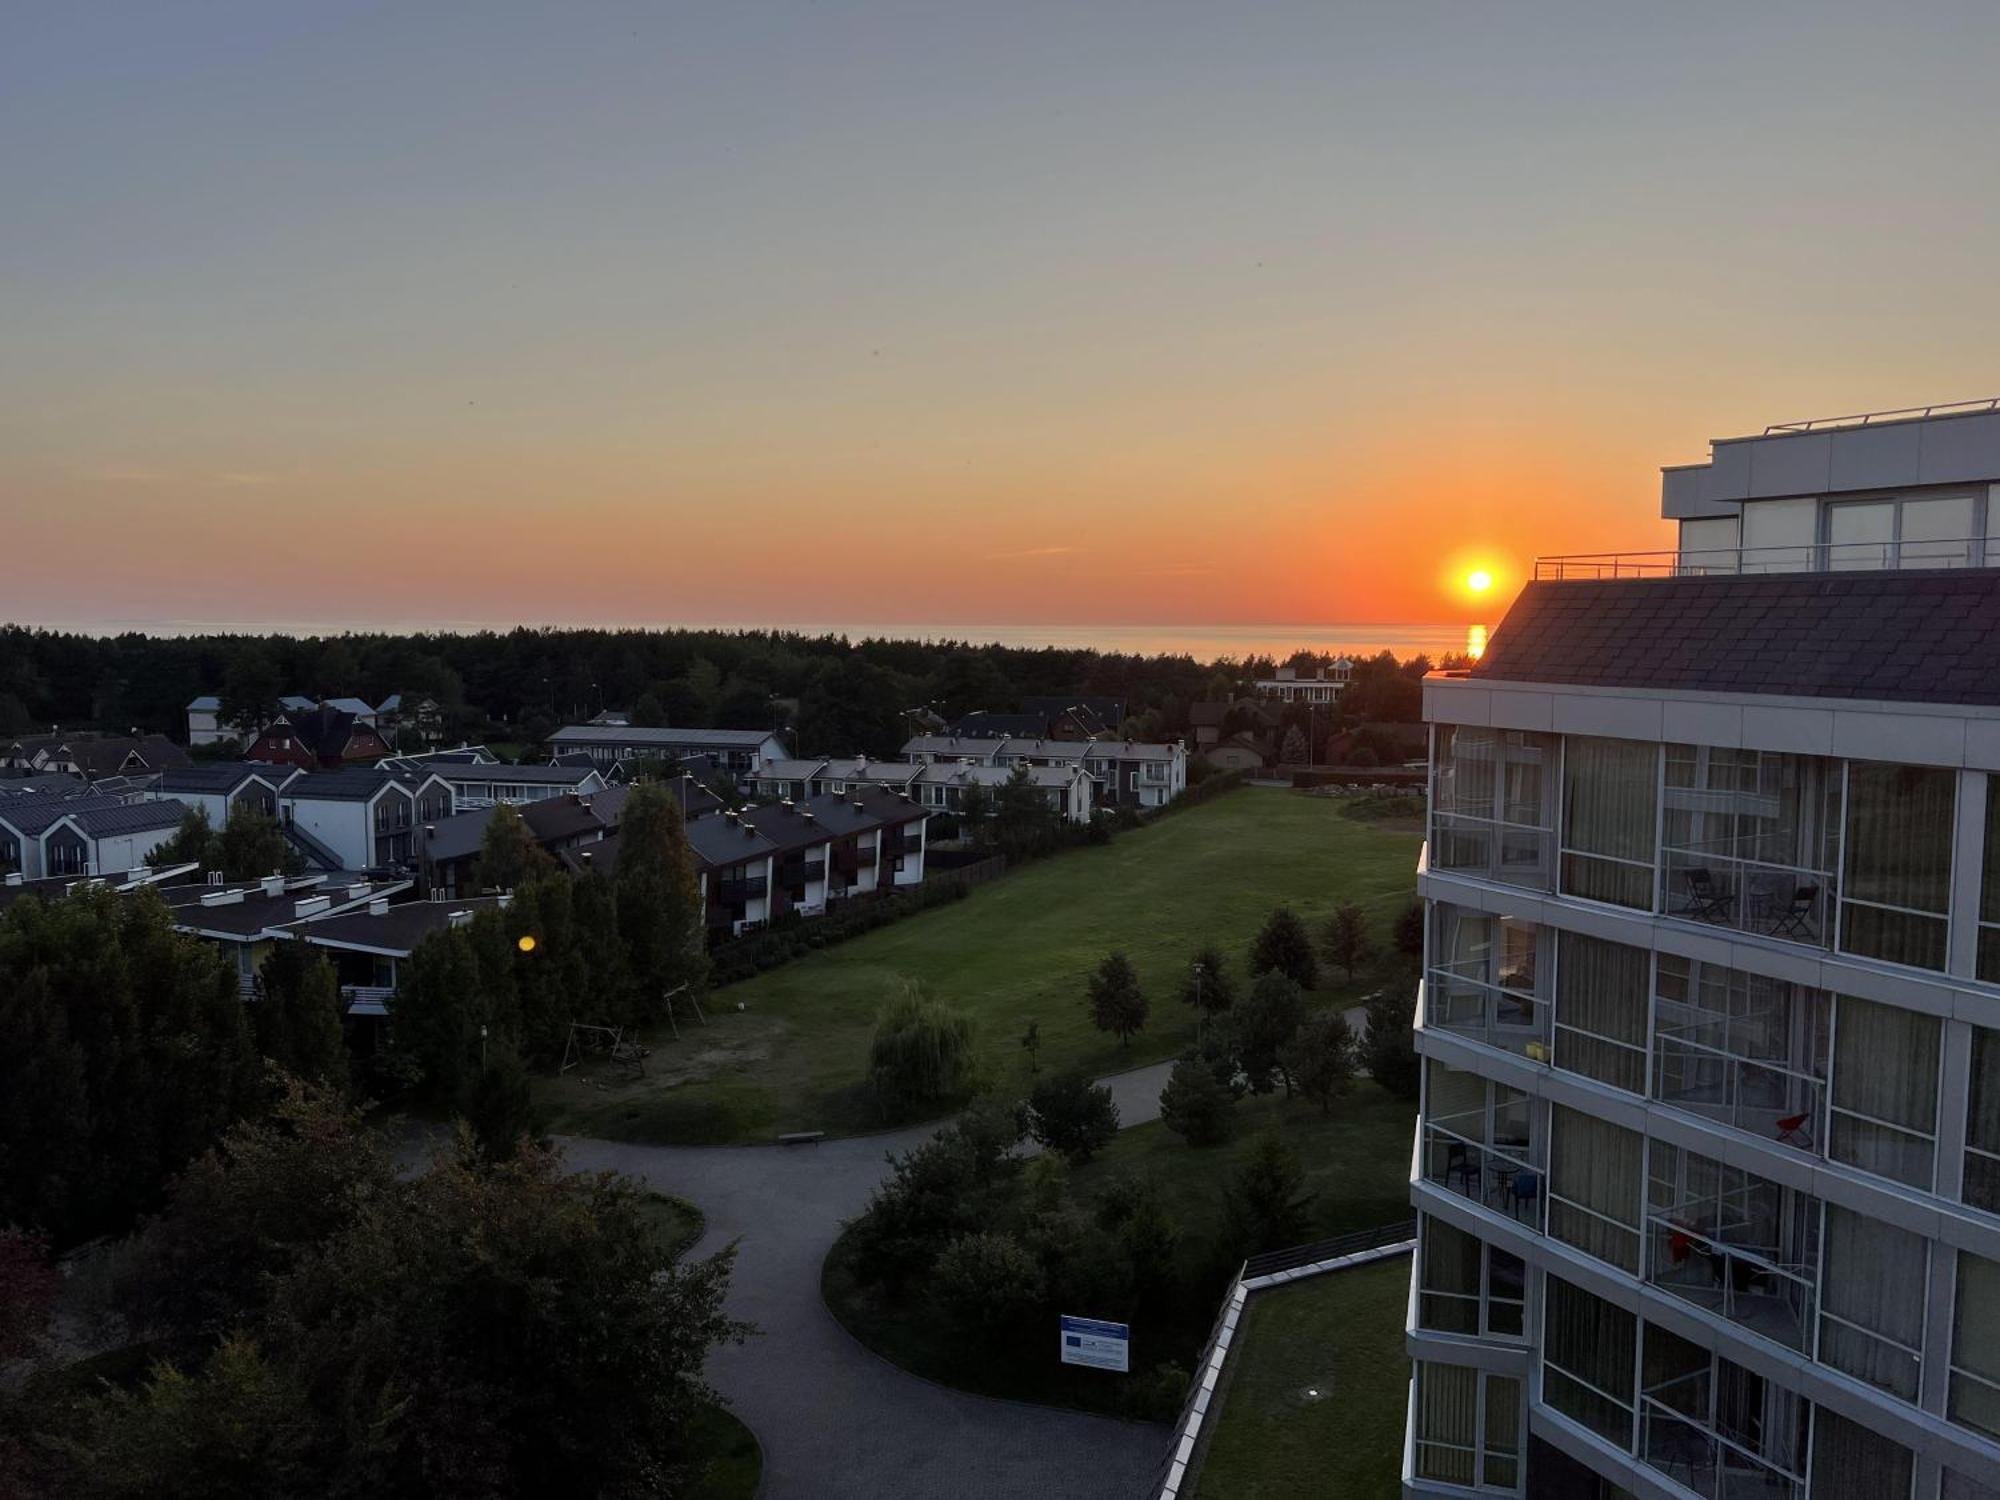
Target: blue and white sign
[{"x": 1102, "y": 1346}]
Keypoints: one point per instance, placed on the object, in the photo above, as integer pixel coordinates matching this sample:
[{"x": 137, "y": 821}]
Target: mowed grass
[
  {"x": 1340, "y": 1334},
  {"x": 788, "y": 1050}
]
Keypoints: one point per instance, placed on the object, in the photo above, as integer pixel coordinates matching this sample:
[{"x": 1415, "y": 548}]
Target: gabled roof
[
  {"x": 32, "y": 816},
  {"x": 460, "y": 836},
  {"x": 322, "y": 730},
  {"x": 207, "y": 703},
  {"x": 950, "y": 773},
  {"x": 526, "y": 775},
  {"x": 353, "y": 783},
  {"x": 718, "y": 842},
  {"x": 787, "y": 827},
  {"x": 951, "y": 744},
  {"x": 789, "y": 770},
  {"x": 40, "y": 784},
  {"x": 354, "y": 706},
  {"x": 219, "y": 777},
  {"x": 107, "y": 820},
  {"x": 881, "y": 772},
  {"x": 1911, "y": 637}
]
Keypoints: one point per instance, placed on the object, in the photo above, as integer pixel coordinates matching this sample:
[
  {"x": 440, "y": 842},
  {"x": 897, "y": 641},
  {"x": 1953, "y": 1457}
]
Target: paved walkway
[{"x": 838, "y": 1422}]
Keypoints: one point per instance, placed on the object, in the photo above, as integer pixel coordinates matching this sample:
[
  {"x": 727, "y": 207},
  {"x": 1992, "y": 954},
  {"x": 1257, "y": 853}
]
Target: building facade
[{"x": 1708, "y": 1160}]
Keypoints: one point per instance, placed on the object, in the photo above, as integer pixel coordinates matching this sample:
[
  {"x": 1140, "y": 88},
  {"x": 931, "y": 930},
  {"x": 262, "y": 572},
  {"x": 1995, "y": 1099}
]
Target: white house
[
  {"x": 1069, "y": 790},
  {"x": 100, "y": 839},
  {"x": 1319, "y": 685},
  {"x": 478, "y": 784},
  {"x": 361, "y": 817},
  {"x": 205, "y": 726},
  {"x": 218, "y": 788},
  {"x": 737, "y": 751}
]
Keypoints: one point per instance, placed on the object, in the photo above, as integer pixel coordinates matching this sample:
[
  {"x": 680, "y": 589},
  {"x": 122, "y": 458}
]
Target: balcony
[
  {"x": 1502, "y": 1177},
  {"x": 1708, "y": 884},
  {"x": 736, "y": 892},
  {"x": 1803, "y": 557},
  {"x": 1493, "y": 849},
  {"x": 1701, "y": 1459},
  {"x": 1460, "y": 999},
  {"x": 1741, "y": 1050}
]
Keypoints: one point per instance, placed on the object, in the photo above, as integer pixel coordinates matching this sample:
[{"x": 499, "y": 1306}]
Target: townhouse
[
  {"x": 91, "y": 756},
  {"x": 734, "y": 751},
  {"x": 361, "y": 817},
  {"x": 218, "y": 788},
  {"x": 1128, "y": 773},
  {"x": 247, "y": 918},
  {"x": 321, "y": 736},
  {"x": 1708, "y": 1161},
  {"x": 1068, "y": 790}
]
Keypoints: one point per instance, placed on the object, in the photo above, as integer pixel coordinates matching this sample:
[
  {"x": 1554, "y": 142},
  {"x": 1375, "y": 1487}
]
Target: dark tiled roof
[
  {"x": 1917, "y": 637},
  {"x": 718, "y": 842},
  {"x": 32, "y": 816},
  {"x": 982, "y": 725},
  {"x": 351, "y": 783},
  {"x": 398, "y": 930},
  {"x": 787, "y": 827},
  {"x": 128, "y": 817},
  {"x": 218, "y": 776}
]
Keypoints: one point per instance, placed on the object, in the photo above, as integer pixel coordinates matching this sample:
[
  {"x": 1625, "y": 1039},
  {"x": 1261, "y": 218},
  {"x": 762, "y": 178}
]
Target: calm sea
[{"x": 1203, "y": 642}]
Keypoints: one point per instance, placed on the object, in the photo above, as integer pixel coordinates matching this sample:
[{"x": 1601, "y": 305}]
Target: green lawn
[
  {"x": 677, "y": 1222},
  {"x": 1339, "y": 1335},
  {"x": 1017, "y": 949},
  {"x": 1357, "y": 1162},
  {"x": 732, "y": 1462}
]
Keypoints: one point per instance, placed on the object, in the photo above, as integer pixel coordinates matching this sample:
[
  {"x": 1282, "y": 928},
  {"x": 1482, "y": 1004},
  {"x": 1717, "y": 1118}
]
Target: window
[
  {"x": 1708, "y": 545},
  {"x": 1989, "y": 883},
  {"x": 1740, "y": 1049},
  {"x": 1601, "y": 1010},
  {"x": 1896, "y": 884},
  {"x": 1778, "y": 535},
  {"x": 1850, "y": 1462},
  {"x": 1958, "y": 1487},
  {"x": 1493, "y": 810},
  {"x": 1716, "y": 1427},
  {"x": 1982, "y": 1125},
  {"x": 1610, "y": 794},
  {"x": 1589, "y": 1347},
  {"x": 1468, "y": 1427},
  {"x": 1751, "y": 840},
  {"x": 1467, "y": 1285},
  {"x": 1885, "y": 1090},
  {"x": 1975, "y": 1345},
  {"x": 1928, "y": 532},
  {"x": 1596, "y": 1180},
  {"x": 1486, "y": 980},
  {"x": 1477, "y": 1141},
  {"x": 1872, "y": 1297}
]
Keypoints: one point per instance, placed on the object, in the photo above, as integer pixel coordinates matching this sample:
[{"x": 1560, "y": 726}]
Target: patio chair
[
  {"x": 1458, "y": 1162},
  {"x": 1525, "y": 1190},
  {"x": 1792, "y": 1131},
  {"x": 1706, "y": 900},
  {"x": 1796, "y": 919}
]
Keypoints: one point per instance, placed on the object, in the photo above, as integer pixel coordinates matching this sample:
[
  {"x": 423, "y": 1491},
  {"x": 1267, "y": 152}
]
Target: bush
[
  {"x": 793, "y": 936},
  {"x": 500, "y": 1107},
  {"x": 1157, "y": 1395},
  {"x": 989, "y": 1283},
  {"x": 1387, "y": 1050},
  {"x": 921, "y": 1055},
  {"x": 1072, "y": 1115},
  {"x": 946, "y": 1187},
  {"x": 1265, "y": 1203},
  {"x": 1195, "y": 1104},
  {"x": 1283, "y": 946}
]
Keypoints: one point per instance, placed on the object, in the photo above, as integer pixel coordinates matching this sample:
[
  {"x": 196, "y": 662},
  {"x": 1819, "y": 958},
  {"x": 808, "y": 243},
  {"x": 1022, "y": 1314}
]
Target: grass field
[
  {"x": 732, "y": 1463},
  {"x": 1357, "y": 1162},
  {"x": 1341, "y": 1336},
  {"x": 1016, "y": 950}
]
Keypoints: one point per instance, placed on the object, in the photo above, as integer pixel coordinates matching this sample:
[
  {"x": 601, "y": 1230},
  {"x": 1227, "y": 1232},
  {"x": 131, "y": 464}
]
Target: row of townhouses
[
  {"x": 939, "y": 787},
  {"x": 398, "y": 711},
  {"x": 1708, "y": 1162},
  {"x": 1124, "y": 773}
]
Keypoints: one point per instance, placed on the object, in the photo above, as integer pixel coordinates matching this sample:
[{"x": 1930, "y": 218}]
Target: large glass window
[
  {"x": 1751, "y": 840},
  {"x": 1469, "y": 1286},
  {"x": 1596, "y": 1184},
  {"x": 1493, "y": 809},
  {"x": 1885, "y": 1090},
  {"x": 1468, "y": 1427},
  {"x": 1610, "y": 800},
  {"x": 1872, "y": 1298},
  {"x": 1487, "y": 980},
  {"x": 1741, "y": 1049},
  {"x": 1733, "y": 1242},
  {"x": 1601, "y": 1010},
  {"x": 1852, "y": 1462},
  {"x": 1989, "y": 882},
  {"x": 1935, "y": 531},
  {"x": 1589, "y": 1353},
  {"x": 1982, "y": 1124},
  {"x": 1896, "y": 884},
  {"x": 1975, "y": 1345},
  {"x": 1477, "y": 1141},
  {"x": 1958, "y": 1486},
  {"x": 1717, "y": 1428}
]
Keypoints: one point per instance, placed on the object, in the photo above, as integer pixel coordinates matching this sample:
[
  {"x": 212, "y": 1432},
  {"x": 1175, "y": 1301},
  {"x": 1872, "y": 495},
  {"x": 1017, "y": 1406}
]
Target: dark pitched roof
[
  {"x": 106, "y": 821},
  {"x": 397, "y": 930},
  {"x": 719, "y": 842},
  {"x": 324, "y": 730},
  {"x": 981, "y": 725},
  {"x": 1917, "y": 637},
  {"x": 33, "y": 816},
  {"x": 787, "y": 827},
  {"x": 218, "y": 776},
  {"x": 351, "y": 783}
]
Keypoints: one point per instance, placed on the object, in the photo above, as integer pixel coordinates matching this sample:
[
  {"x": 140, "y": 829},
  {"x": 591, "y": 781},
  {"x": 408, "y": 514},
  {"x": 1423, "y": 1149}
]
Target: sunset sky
[{"x": 1077, "y": 312}]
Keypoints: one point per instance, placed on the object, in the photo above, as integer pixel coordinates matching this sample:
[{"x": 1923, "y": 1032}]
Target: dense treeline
[{"x": 836, "y": 695}]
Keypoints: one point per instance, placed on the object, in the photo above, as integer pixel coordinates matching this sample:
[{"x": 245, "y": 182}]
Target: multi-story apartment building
[{"x": 1708, "y": 1162}]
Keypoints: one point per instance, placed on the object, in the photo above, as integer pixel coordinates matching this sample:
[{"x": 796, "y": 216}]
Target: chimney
[
  {"x": 15, "y": 877},
  {"x": 457, "y": 918},
  {"x": 357, "y": 890},
  {"x": 222, "y": 898},
  {"x": 379, "y": 907},
  {"x": 273, "y": 885},
  {"x": 312, "y": 906},
  {"x": 729, "y": 815},
  {"x": 807, "y": 814}
]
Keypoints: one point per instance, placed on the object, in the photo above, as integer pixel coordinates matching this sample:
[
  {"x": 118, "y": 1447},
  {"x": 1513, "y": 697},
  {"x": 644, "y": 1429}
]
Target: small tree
[
  {"x": 1410, "y": 930},
  {"x": 1031, "y": 1046},
  {"x": 298, "y": 1014},
  {"x": 1117, "y": 1004},
  {"x": 509, "y": 855},
  {"x": 1265, "y": 1203},
  {"x": 1195, "y": 1106},
  {"x": 1284, "y": 946},
  {"x": 1320, "y": 1057},
  {"x": 1293, "y": 752},
  {"x": 1024, "y": 823},
  {"x": 989, "y": 1283},
  {"x": 1345, "y": 938},
  {"x": 192, "y": 842},
  {"x": 1263, "y": 1030},
  {"x": 1208, "y": 987},
  {"x": 1072, "y": 1115},
  {"x": 1387, "y": 1051},
  {"x": 974, "y": 809},
  {"x": 500, "y": 1107},
  {"x": 921, "y": 1054},
  {"x": 251, "y": 845}
]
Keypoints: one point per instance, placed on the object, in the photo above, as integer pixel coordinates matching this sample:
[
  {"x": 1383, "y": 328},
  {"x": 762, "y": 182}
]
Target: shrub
[
  {"x": 988, "y": 1283},
  {"x": 1283, "y": 946},
  {"x": 1196, "y": 1106},
  {"x": 921, "y": 1054},
  {"x": 1072, "y": 1115}
]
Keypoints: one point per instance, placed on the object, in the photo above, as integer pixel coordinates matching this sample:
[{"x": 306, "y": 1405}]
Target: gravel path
[{"x": 838, "y": 1422}]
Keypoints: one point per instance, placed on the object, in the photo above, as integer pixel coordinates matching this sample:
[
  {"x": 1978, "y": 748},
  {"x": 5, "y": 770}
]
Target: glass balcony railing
[
  {"x": 1748, "y": 895},
  {"x": 1871, "y": 555},
  {"x": 1504, "y": 1178},
  {"x": 1493, "y": 849},
  {"x": 1459, "y": 998},
  {"x": 1709, "y": 1464},
  {"x": 1763, "y": 1097},
  {"x": 1750, "y": 1285}
]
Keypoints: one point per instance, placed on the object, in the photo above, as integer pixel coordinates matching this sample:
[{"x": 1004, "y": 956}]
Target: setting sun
[{"x": 1479, "y": 580}]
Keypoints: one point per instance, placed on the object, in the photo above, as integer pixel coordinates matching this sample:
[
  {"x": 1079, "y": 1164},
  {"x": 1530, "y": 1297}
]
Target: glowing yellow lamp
[{"x": 526, "y": 942}]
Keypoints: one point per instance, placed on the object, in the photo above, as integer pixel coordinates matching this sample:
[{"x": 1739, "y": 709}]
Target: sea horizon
[{"x": 1202, "y": 642}]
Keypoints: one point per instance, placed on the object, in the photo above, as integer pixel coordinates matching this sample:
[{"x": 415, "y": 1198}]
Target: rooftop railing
[
  {"x": 1799, "y": 557},
  {"x": 1894, "y": 414}
]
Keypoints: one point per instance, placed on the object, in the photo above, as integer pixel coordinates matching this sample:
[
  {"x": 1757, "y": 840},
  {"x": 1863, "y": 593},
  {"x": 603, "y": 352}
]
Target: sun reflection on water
[{"x": 1475, "y": 641}]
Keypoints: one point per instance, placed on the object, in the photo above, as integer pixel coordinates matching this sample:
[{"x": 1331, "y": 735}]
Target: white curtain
[
  {"x": 1885, "y": 1066},
  {"x": 1852, "y": 1463},
  {"x": 1450, "y": 1302},
  {"x": 1447, "y": 1423},
  {"x": 1975, "y": 1344},
  {"x": 1596, "y": 1165},
  {"x": 1595, "y": 1341},
  {"x": 1610, "y": 792},
  {"x": 1874, "y": 1278},
  {"x": 1898, "y": 854},
  {"x": 1601, "y": 992}
]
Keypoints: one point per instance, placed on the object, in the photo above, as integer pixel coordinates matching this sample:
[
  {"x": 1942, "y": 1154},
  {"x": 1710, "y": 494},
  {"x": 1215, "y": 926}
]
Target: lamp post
[{"x": 1200, "y": 1013}]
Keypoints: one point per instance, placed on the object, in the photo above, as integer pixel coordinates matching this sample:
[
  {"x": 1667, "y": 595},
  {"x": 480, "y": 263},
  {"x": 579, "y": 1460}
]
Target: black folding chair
[
  {"x": 1706, "y": 901},
  {"x": 1796, "y": 920}
]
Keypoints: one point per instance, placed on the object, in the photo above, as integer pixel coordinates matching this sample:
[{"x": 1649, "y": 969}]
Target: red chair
[{"x": 1792, "y": 1131}]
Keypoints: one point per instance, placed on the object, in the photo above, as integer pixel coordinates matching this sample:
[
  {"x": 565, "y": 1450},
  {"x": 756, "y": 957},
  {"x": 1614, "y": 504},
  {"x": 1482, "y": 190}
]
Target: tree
[
  {"x": 1387, "y": 1050},
  {"x": 1263, "y": 1026},
  {"x": 1282, "y": 945},
  {"x": 1117, "y": 1004},
  {"x": 252, "y": 845},
  {"x": 298, "y": 1014},
  {"x": 921, "y": 1054},
  {"x": 500, "y": 1107},
  {"x": 989, "y": 1284},
  {"x": 974, "y": 809},
  {"x": 1320, "y": 1057},
  {"x": 659, "y": 900},
  {"x": 1072, "y": 1115},
  {"x": 1345, "y": 938},
  {"x": 27, "y": 1291},
  {"x": 1195, "y": 1106},
  {"x": 1031, "y": 1046},
  {"x": 649, "y": 712},
  {"x": 478, "y": 1328},
  {"x": 950, "y": 1185},
  {"x": 509, "y": 854},
  {"x": 1292, "y": 750},
  {"x": 250, "y": 689},
  {"x": 1265, "y": 1203},
  {"x": 1024, "y": 823},
  {"x": 1208, "y": 987},
  {"x": 192, "y": 842},
  {"x": 1410, "y": 930}
]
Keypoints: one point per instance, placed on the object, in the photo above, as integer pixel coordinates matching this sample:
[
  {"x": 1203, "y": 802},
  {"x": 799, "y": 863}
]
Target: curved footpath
[{"x": 837, "y": 1421}]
